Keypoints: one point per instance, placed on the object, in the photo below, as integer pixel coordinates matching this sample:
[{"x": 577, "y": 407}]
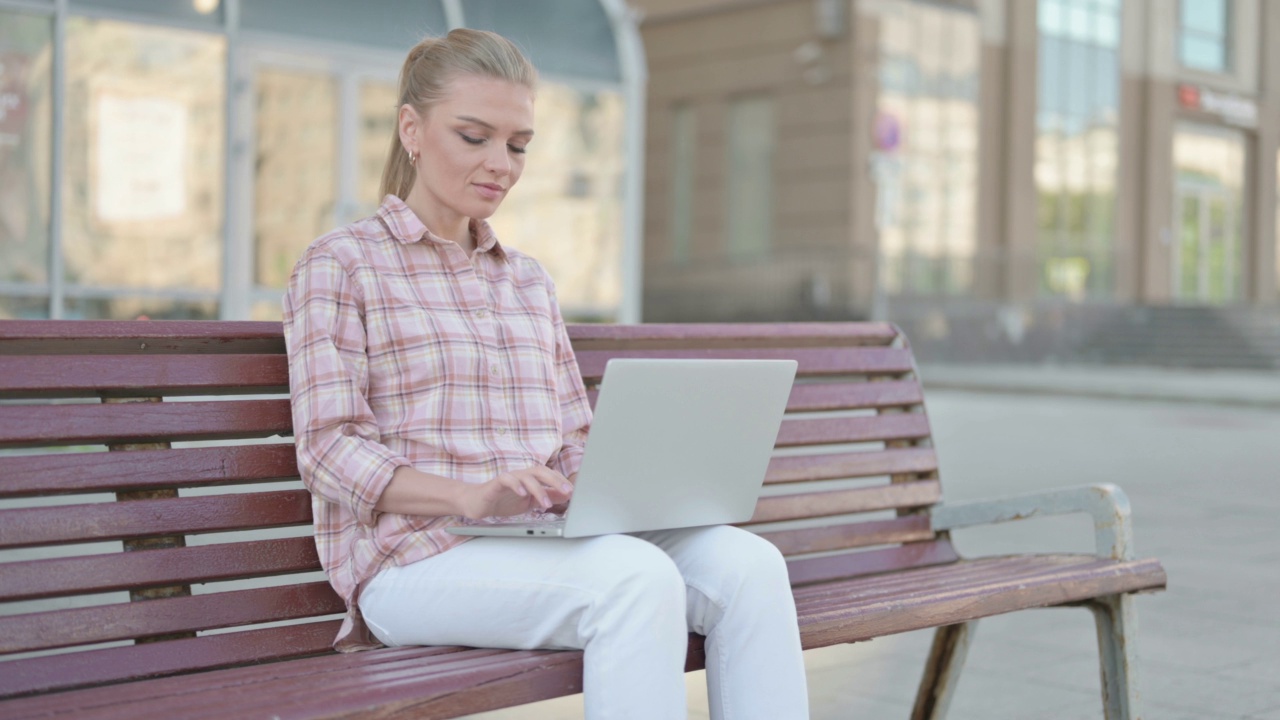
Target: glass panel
[
  {"x": 24, "y": 308},
  {"x": 1076, "y": 150},
  {"x": 567, "y": 209},
  {"x": 145, "y": 127},
  {"x": 1218, "y": 263},
  {"x": 1209, "y": 164},
  {"x": 26, "y": 129},
  {"x": 684, "y": 148},
  {"x": 295, "y": 168},
  {"x": 376, "y": 126},
  {"x": 134, "y": 308},
  {"x": 202, "y": 12},
  {"x": 1203, "y": 53},
  {"x": 1188, "y": 260},
  {"x": 569, "y": 38},
  {"x": 393, "y": 25},
  {"x": 926, "y": 143},
  {"x": 1207, "y": 16},
  {"x": 750, "y": 207}
]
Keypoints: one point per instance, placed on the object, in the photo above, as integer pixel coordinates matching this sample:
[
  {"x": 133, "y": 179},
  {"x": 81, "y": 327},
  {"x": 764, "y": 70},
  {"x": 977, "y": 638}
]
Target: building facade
[
  {"x": 172, "y": 158},
  {"x": 988, "y": 173}
]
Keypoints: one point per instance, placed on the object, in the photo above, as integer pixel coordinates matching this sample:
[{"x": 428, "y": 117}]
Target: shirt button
[
  {"x": 481, "y": 313},
  {"x": 493, "y": 369},
  {"x": 502, "y": 431}
]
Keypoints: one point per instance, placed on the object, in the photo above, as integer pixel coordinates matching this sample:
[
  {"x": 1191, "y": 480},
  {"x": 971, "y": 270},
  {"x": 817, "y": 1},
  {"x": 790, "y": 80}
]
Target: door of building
[
  {"x": 1208, "y": 250},
  {"x": 312, "y": 133}
]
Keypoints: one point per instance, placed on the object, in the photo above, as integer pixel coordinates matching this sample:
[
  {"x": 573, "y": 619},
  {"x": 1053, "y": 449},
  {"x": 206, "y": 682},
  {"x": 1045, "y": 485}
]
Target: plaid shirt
[{"x": 405, "y": 351}]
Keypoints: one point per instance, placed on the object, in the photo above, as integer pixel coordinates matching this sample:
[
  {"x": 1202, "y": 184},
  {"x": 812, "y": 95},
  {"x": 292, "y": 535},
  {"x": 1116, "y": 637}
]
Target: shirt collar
[{"x": 407, "y": 228}]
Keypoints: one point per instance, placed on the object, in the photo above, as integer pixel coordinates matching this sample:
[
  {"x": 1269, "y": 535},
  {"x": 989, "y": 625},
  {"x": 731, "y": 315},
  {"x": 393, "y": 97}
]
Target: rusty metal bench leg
[
  {"x": 942, "y": 670},
  {"x": 1117, "y": 628}
]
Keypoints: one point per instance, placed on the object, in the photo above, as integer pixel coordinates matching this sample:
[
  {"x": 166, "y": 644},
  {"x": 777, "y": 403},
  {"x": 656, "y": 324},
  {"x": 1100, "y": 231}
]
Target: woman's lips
[{"x": 489, "y": 191}]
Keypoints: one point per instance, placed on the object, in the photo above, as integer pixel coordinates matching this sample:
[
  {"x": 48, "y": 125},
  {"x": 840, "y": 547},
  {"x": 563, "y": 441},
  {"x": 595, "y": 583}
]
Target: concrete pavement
[{"x": 1198, "y": 454}]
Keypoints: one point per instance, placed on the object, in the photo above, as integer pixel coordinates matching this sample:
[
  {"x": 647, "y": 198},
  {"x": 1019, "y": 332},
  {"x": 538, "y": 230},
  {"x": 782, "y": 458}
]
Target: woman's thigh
[{"x": 517, "y": 593}]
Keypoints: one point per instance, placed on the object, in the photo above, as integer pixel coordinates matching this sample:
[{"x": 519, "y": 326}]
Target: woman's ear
[{"x": 410, "y": 123}]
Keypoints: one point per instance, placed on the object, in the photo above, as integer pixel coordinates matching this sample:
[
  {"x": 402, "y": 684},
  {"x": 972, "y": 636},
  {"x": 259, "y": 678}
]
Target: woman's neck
[{"x": 442, "y": 222}]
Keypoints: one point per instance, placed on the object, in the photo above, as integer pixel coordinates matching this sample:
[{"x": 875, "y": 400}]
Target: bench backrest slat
[
  {"x": 85, "y": 424},
  {"x": 853, "y": 470},
  {"x": 61, "y": 524},
  {"x": 34, "y": 579},
  {"x": 124, "y": 621},
  {"x": 92, "y": 472},
  {"x": 125, "y": 375}
]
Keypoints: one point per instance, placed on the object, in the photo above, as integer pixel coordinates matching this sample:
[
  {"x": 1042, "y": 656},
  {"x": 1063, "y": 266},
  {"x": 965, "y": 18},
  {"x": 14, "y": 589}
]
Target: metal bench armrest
[{"x": 1107, "y": 503}]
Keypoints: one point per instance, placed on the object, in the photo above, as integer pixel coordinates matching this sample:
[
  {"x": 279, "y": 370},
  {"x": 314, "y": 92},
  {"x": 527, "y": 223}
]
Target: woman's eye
[
  {"x": 471, "y": 140},
  {"x": 517, "y": 149}
]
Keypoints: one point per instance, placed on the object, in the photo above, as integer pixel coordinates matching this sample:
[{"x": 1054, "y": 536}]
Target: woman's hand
[{"x": 517, "y": 492}]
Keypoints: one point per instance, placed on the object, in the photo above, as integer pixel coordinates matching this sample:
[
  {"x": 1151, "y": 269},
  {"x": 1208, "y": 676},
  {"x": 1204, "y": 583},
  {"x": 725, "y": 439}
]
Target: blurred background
[{"x": 1009, "y": 180}]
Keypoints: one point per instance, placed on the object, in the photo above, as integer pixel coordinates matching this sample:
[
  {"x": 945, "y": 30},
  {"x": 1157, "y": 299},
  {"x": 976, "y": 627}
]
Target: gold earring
[{"x": 413, "y": 157}]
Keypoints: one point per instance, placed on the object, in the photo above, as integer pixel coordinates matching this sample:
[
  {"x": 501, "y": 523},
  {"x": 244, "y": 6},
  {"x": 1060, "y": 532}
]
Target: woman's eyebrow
[{"x": 487, "y": 126}]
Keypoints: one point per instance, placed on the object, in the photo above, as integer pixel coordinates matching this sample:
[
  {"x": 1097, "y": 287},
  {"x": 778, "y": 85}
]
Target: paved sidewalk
[{"x": 1242, "y": 388}]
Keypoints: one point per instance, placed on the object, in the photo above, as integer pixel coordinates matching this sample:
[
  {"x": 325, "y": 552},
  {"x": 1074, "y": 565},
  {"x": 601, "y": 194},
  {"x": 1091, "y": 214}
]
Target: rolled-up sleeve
[
  {"x": 340, "y": 457},
  {"x": 575, "y": 410}
]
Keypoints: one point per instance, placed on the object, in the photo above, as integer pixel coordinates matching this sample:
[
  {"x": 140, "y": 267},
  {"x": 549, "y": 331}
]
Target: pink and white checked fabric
[{"x": 405, "y": 351}]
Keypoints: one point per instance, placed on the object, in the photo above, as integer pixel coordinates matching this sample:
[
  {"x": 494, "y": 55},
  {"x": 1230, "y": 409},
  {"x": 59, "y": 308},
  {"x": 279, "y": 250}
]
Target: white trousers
[{"x": 627, "y": 601}]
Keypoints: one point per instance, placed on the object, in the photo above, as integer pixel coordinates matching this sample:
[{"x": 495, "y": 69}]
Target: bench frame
[{"x": 855, "y": 578}]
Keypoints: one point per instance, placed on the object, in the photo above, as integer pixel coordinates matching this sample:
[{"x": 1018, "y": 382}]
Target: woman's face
[{"x": 471, "y": 147}]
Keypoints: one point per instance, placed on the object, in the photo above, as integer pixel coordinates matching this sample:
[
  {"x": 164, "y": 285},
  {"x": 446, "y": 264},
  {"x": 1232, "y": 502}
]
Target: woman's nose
[{"x": 497, "y": 160}]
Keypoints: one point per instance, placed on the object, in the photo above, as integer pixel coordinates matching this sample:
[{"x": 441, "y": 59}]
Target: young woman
[{"x": 433, "y": 384}]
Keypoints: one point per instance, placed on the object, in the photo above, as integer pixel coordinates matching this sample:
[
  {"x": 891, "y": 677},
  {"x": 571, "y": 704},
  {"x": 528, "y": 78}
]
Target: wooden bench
[{"x": 177, "y": 576}]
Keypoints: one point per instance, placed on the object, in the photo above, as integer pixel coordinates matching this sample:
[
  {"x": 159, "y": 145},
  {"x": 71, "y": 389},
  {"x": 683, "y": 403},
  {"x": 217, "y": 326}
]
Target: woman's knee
[
  {"x": 746, "y": 559},
  {"x": 630, "y": 571}
]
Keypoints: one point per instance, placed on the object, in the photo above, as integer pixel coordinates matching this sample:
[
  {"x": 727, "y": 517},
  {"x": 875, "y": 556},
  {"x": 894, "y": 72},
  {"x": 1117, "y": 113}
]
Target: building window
[
  {"x": 1077, "y": 147},
  {"x": 26, "y": 42},
  {"x": 750, "y": 181},
  {"x": 1203, "y": 35},
  {"x": 926, "y": 148},
  {"x": 143, "y": 170},
  {"x": 684, "y": 129}
]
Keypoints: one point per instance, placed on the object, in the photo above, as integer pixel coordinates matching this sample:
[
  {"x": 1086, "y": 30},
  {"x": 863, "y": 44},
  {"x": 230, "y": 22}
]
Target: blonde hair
[{"x": 424, "y": 80}]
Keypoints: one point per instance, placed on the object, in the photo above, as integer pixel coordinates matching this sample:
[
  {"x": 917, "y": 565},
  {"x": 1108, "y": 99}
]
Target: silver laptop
[{"x": 674, "y": 443}]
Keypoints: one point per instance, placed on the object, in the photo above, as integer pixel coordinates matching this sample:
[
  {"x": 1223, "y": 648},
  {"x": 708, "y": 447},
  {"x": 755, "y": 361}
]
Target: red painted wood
[
  {"x": 26, "y": 527},
  {"x": 854, "y": 395},
  {"x": 899, "y": 426},
  {"x": 896, "y": 461},
  {"x": 790, "y": 334},
  {"x": 868, "y": 562},
  {"x": 141, "y": 375},
  {"x": 908, "y": 528},
  {"x": 95, "y": 337},
  {"x": 156, "y": 568},
  {"x": 60, "y": 473},
  {"x": 839, "y": 502},
  {"x": 812, "y": 361},
  {"x": 97, "y": 424},
  {"x": 134, "y": 662},
  {"x": 123, "y": 621}
]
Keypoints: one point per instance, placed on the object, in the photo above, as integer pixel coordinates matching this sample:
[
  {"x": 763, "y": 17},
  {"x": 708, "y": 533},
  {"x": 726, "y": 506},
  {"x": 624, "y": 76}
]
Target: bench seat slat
[
  {"x": 98, "y": 424},
  {"x": 123, "y": 375},
  {"x": 803, "y": 468},
  {"x": 156, "y": 568},
  {"x": 857, "y": 563},
  {"x": 92, "y": 667},
  {"x": 60, "y": 524},
  {"x": 908, "y": 528},
  {"x": 60, "y": 473},
  {"x": 421, "y": 681},
  {"x": 123, "y": 621},
  {"x": 918, "y": 493},
  {"x": 112, "y": 337},
  {"x": 812, "y": 361},
  {"x": 899, "y": 426}
]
